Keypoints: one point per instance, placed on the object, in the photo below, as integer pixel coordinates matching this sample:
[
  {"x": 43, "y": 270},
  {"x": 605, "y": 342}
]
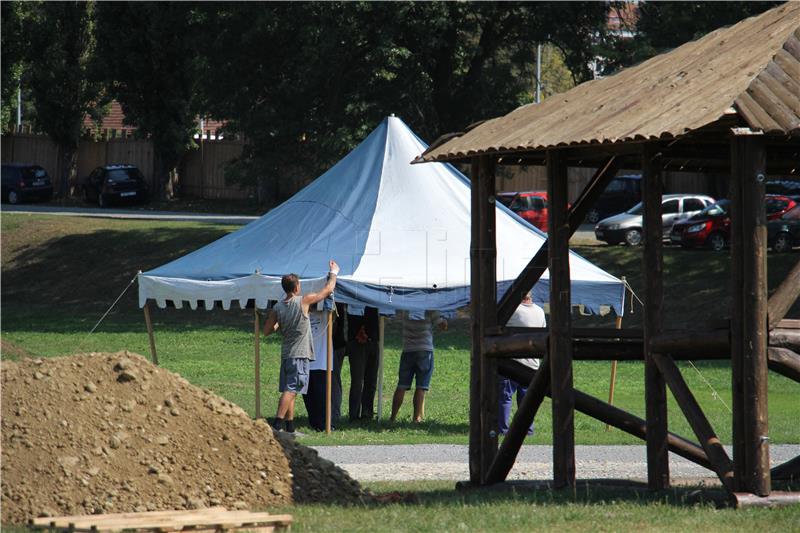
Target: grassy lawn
[{"x": 60, "y": 274}]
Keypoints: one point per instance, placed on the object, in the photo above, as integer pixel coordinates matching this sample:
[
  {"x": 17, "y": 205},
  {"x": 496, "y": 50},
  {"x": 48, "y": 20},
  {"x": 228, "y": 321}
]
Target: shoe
[{"x": 296, "y": 434}]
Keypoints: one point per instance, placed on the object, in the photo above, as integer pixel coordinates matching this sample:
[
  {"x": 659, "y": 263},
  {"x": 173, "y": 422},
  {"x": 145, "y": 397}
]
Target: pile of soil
[{"x": 103, "y": 433}]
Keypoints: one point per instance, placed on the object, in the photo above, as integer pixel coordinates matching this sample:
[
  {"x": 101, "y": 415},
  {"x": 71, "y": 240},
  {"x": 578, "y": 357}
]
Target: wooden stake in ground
[
  {"x": 257, "y": 331},
  {"x": 150, "y": 335},
  {"x": 329, "y": 374}
]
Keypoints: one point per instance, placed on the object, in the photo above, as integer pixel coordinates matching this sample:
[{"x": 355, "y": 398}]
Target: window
[
  {"x": 792, "y": 214},
  {"x": 537, "y": 203},
  {"x": 670, "y": 207},
  {"x": 693, "y": 204},
  {"x": 775, "y": 206},
  {"x": 616, "y": 186}
]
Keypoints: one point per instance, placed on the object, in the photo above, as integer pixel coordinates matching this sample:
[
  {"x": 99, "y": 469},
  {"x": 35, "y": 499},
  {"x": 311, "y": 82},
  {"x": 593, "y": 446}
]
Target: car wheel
[
  {"x": 716, "y": 242},
  {"x": 783, "y": 243},
  {"x": 13, "y": 197},
  {"x": 102, "y": 201},
  {"x": 633, "y": 237},
  {"x": 593, "y": 216}
]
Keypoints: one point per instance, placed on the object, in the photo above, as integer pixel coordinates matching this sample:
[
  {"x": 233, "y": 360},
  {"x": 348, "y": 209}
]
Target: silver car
[{"x": 627, "y": 226}]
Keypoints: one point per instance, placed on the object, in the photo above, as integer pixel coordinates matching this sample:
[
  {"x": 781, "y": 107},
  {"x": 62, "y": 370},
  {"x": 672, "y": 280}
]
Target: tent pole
[
  {"x": 613, "y": 382},
  {"x": 380, "y": 366},
  {"x": 257, "y": 331},
  {"x": 149, "y": 324},
  {"x": 328, "y": 374}
]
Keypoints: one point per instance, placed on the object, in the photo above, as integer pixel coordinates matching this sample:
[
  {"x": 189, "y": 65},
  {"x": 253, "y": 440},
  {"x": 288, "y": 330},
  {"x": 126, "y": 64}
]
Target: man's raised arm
[{"x": 314, "y": 297}]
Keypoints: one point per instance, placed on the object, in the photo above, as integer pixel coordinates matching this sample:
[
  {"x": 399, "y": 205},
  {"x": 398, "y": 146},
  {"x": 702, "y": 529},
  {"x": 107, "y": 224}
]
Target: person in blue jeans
[
  {"x": 416, "y": 362},
  {"x": 527, "y": 315}
]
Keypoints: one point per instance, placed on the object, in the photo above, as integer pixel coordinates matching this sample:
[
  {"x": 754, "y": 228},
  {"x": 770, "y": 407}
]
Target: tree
[
  {"x": 12, "y": 49},
  {"x": 58, "y": 68},
  {"x": 148, "y": 54},
  {"x": 305, "y": 82}
]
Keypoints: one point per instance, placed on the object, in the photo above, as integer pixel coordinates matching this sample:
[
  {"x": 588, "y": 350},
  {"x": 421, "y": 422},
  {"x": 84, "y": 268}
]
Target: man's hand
[
  {"x": 333, "y": 267},
  {"x": 443, "y": 324}
]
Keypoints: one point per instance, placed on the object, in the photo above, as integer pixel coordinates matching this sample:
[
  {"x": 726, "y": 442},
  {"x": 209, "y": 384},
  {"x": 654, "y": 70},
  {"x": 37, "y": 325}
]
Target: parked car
[
  {"x": 627, "y": 226},
  {"x": 21, "y": 182},
  {"x": 114, "y": 183},
  {"x": 784, "y": 187},
  {"x": 712, "y": 226},
  {"x": 784, "y": 233},
  {"x": 505, "y": 197},
  {"x": 622, "y": 193},
  {"x": 532, "y": 206}
]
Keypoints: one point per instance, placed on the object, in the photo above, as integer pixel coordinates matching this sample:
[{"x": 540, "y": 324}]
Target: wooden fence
[
  {"x": 533, "y": 178},
  {"x": 201, "y": 173}
]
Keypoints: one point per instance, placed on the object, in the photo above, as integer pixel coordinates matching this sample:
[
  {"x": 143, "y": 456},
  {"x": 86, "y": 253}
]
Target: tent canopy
[{"x": 400, "y": 232}]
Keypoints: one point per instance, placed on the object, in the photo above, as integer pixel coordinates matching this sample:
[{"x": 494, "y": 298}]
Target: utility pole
[
  {"x": 19, "y": 107},
  {"x": 539, "y": 73}
]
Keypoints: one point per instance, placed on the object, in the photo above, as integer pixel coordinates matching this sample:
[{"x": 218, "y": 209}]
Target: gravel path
[{"x": 449, "y": 462}]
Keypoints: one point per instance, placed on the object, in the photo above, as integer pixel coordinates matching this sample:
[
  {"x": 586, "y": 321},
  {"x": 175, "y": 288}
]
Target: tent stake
[
  {"x": 380, "y": 367},
  {"x": 149, "y": 324},
  {"x": 257, "y": 332},
  {"x": 328, "y": 374}
]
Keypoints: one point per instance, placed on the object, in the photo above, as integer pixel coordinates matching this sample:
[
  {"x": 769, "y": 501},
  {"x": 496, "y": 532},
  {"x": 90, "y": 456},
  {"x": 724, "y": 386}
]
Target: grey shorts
[{"x": 294, "y": 376}]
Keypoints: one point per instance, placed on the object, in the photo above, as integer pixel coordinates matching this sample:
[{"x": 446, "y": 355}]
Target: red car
[
  {"x": 532, "y": 206},
  {"x": 711, "y": 227}
]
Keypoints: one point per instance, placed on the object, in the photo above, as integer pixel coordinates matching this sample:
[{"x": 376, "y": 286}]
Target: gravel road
[{"x": 449, "y": 462}]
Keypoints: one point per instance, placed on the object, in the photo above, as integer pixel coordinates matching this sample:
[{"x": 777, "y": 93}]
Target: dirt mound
[{"x": 113, "y": 433}]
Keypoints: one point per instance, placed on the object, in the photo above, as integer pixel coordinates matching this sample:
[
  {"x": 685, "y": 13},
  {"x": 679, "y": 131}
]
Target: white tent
[{"x": 400, "y": 232}]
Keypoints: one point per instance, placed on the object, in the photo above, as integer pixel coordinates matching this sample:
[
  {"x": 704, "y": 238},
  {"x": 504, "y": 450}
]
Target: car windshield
[
  {"x": 635, "y": 210},
  {"x": 718, "y": 209},
  {"x": 124, "y": 174}
]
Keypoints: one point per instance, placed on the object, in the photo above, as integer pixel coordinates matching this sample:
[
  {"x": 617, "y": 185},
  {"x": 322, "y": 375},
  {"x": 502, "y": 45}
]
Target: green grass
[
  {"x": 435, "y": 506},
  {"x": 60, "y": 274}
]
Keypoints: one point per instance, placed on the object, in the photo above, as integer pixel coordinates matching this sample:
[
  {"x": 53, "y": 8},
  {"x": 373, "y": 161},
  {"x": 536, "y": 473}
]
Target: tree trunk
[{"x": 69, "y": 170}]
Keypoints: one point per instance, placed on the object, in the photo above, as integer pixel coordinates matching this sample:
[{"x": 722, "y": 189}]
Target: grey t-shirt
[
  {"x": 298, "y": 342},
  {"x": 418, "y": 334}
]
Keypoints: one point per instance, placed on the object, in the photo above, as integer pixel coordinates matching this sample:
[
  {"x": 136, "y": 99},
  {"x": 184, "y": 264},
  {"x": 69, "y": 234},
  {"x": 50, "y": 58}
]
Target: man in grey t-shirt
[
  {"x": 297, "y": 348},
  {"x": 416, "y": 362}
]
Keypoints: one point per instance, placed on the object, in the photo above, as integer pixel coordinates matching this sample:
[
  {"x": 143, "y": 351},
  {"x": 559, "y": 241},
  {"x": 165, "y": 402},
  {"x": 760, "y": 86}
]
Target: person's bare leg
[
  {"x": 286, "y": 405},
  {"x": 397, "y": 401},
  {"x": 419, "y": 405}
]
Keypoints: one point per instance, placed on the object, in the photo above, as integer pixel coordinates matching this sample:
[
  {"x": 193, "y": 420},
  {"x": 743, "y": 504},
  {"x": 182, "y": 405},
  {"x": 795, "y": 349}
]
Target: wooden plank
[
  {"x": 784, "y": 362},
  {"x": 46, "y": 521},
  {"x": 175, "y": 521},
  {"x": 560, "y": 348},
  {"x": 784, "y": 296},
  {"x": 655, "y": 389},
  {"x": 723, "y": 466},
  {"x": 538, "y": 264},
  {"x": 476, "y": 334},
  {"x": 788, "y": 470},
  {"x": 751, "y": 222},
  {"x": 487, "y": 264},
  {"x": 776, "y": 499},
  {"x": 522, "y": 420}
]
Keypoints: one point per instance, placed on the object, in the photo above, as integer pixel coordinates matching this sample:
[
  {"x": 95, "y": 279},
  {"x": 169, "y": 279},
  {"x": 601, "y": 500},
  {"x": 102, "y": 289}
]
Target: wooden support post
[
  {"x": 538, "y": 264},
  {"x": 487, "y": 264},
  {"x": 381, "y": 339},
  {"x": 697, "y": 419},
  {"x": 476, "y": 334},
  {"x": 329, "y": 374},
  {"x": 749, "y": 327},
  {"x": 560, "y": 347},
  {"x": 150, "y": 336},
  {"x": 523, "y": 418},
  {"x": 622, "y": 420},
  {"x": 257, "y": 332},
  {"x": 784, "y": 296},
  {"x": 655, "y": 392}
]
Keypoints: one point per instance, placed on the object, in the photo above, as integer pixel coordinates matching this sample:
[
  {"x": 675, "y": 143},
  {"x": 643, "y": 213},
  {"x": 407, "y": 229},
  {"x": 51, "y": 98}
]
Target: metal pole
[
  {"x": 380, "y": 366},
  {"x": 539, "y": 73}
]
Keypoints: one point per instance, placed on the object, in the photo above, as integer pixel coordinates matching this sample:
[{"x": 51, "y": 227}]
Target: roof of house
[
  {"x": 115, "y": 120},
  {"x": 751, "y": 69}
]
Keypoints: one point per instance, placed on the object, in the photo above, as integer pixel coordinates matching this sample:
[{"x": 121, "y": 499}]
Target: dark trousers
[
  {"x": 506, "y": 389},
  {"x": 314, "y": 399},
  {"x": 363, "y": 378}
]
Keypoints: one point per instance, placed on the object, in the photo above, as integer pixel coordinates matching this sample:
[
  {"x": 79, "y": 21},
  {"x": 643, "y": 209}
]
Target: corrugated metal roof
[{"x": 754, "y": 64}]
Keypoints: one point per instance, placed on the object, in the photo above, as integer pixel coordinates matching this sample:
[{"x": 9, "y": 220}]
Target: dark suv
[
  {"x": 25, "y": 182},
  {"x": 622, "y": 193},
  {"x": 114, "y": 183}
]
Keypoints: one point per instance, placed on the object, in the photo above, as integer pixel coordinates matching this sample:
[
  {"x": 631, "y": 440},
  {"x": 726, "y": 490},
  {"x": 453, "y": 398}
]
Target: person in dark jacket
[{"x": 362, "y": 349}]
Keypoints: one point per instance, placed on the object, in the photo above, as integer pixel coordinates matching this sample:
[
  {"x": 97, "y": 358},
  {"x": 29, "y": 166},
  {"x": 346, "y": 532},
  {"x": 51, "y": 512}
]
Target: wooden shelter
[{"x": 729, "y": 102}]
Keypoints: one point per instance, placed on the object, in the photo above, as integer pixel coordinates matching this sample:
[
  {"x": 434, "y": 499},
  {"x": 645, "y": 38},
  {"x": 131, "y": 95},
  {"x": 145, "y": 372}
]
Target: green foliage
[
  {"x": 59, "y": 43},
  {"x": 310, "y": 80},
  {"x": 147, "y": 52},
  {"x": 13, "y": 42}
]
